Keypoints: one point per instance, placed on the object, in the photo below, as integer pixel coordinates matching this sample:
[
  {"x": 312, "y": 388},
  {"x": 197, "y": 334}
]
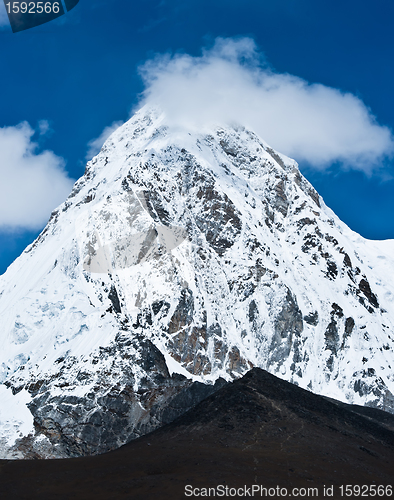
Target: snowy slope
[{"x": 179, "y": 257}]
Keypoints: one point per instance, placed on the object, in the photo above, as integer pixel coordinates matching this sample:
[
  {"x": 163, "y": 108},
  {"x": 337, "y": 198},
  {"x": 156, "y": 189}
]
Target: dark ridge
[{"x": 257, "y": 430}]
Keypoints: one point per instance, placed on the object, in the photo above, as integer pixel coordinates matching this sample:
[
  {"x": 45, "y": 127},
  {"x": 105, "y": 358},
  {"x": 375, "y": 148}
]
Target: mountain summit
[{"x": 180, "y": 260}]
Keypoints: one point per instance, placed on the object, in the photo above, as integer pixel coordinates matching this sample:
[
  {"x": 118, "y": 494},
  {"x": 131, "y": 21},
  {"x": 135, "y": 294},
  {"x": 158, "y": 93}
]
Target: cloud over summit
[{"x": 230, "y": 83}]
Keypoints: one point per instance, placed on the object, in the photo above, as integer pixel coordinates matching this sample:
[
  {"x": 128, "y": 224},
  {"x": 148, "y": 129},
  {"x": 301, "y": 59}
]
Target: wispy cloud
[
  {"x": 231, "y": 83},
  {"x": 95, "y": 145},
  {"x": 32, "y": 183},
  {"x": 43, "y": 127}
]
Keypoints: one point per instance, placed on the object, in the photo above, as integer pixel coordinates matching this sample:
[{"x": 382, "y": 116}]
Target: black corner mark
[
  {"x": 24, "y": 15},
  {"x": 70, "y": 4}
]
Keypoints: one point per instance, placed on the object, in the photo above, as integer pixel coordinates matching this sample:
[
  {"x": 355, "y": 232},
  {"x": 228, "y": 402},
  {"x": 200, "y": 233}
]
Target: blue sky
[{"x": 64, "y": 82}]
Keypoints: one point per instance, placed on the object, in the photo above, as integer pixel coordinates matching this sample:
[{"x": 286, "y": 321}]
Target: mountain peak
[{"x": 185, "y": 257}]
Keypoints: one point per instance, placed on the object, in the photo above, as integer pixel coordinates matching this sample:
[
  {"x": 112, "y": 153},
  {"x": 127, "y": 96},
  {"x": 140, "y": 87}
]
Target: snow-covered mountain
[{"x": 181, "y": 259}]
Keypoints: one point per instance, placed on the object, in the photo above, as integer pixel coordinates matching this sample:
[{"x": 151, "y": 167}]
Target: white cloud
[
  {"x": 95, "y": 145},
  {"x": 230, "y": 83},
  {"x": 32, "y": 183},
  {"x": 43, "y": 127}
]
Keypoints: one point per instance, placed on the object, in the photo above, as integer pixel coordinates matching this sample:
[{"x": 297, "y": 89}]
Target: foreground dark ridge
[{"x": 256, "y": 430}]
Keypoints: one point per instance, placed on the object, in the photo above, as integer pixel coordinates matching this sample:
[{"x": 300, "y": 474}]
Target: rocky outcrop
[{"x": 72, "y": 426}]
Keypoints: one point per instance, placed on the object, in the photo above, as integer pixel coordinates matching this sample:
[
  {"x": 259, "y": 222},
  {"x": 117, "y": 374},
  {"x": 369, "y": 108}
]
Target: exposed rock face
[{"x": 178, "y": 260}]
